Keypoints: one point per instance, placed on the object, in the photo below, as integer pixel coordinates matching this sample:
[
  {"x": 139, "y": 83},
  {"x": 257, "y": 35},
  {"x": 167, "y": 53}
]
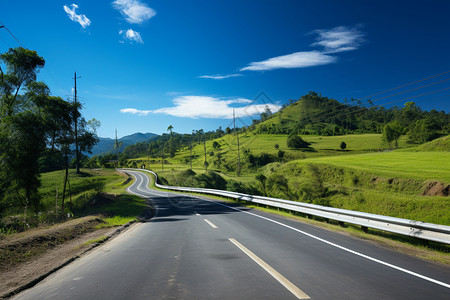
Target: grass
[
  {"x": 258, "y": 143},
  {"x": 125, "y": 209},
  {"x": 440, "y": 144},
  {"x": 97, "y": 240},
  {"x": 82, "y": 186},
  {"x": 93, "y": 192},
  {"x": 415, "y": 165}
]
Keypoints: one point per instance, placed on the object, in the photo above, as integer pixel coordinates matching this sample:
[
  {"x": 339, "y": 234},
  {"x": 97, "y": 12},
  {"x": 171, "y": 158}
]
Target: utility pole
[
  {"x": 117, "y": 150},
  {"x": 77, "y": 152},
  {"x": 237, "y": 135}
]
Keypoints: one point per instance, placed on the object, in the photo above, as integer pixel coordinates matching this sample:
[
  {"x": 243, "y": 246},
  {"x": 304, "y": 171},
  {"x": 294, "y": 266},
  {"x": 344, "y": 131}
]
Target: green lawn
[{"x": 415, "y": 165}]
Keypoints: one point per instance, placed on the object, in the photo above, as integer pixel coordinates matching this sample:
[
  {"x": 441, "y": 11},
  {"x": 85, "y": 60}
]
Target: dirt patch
[
  {"x": 20, "y": 248},
  {"x": 376, "y": 180},
  {"x": 28, "y": 257},
  {"x": 101, "y": 199},
  {"x": 436, "y": 188},
  {"x": 28, "y": 272}
]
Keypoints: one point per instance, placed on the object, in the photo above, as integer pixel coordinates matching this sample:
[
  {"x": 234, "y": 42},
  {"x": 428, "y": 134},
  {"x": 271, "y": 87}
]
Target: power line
[
  {"x": 342, "y": 107},
  {"x": 3, "y": 26},
  {"x": 411, "y": 83},
  {"x": 384, "y": 104},
  {"x": 420, "y": 87},
  {"x": 46, "y": 70}
]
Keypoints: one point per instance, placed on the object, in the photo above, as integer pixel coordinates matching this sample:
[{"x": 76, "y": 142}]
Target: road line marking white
[
  {"x": 210, "y": 224},
  {"x": 197, "y": 214},
  {"x": 343, "y": 248},
  {"x": 338, "y": 246},
  {"x": 280, "y": 278}
]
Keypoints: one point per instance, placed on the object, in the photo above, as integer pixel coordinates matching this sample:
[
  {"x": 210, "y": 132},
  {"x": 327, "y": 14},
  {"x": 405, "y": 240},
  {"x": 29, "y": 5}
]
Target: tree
[
  {"x": 216, "y": 145},
  {"x": 391, "y": 133},
  {"x": 296, "y": 142},
  {"x": 22, "y": 67},
  {"x": 171, "y": 146},
  {"x": 277, "y": 146},
  {"x": 22, "y": 126},
  {"x": 343, "y": 145},
  {"x": 424, "y": 130},
  {"x": 170, "y": 129}
]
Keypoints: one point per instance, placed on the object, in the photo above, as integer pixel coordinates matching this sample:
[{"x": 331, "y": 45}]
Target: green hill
[{"x": 439, "y": 144}]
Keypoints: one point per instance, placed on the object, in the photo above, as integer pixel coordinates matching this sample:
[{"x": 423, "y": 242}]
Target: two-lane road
[{"x": 196, "y": 248}]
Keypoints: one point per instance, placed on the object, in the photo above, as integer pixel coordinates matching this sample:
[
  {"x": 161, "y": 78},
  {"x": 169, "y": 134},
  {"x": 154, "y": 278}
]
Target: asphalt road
[{"x": 204, "y": 249}]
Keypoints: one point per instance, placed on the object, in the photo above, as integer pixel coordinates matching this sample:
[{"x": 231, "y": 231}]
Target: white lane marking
[
  {"x": 210, "y": 224},
  {"x": 340, "y": 247},
  {"x": 343, "y": 248},
  {"x": 197, "y": 214},
  {"x": 280, "y": 278}
]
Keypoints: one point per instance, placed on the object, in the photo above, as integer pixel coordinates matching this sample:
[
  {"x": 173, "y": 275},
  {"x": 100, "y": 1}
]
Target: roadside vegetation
[
  {"x": 92, "y": 192},
  {"x": 317, "y": 150}
]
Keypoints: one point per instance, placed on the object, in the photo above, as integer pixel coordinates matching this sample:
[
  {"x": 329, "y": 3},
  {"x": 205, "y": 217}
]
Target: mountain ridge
[{"x": 106, "y": 145}]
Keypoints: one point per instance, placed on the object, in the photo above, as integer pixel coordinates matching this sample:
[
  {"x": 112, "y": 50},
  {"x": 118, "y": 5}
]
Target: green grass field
[
  {"x": 320, "y": 146},
  {"x": 415, "y": 165}
]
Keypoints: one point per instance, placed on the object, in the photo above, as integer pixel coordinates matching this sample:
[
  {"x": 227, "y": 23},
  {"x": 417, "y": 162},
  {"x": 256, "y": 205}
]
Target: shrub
[{"x": 296, "y": 142}]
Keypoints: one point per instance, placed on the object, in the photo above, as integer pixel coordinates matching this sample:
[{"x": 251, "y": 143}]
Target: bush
[
  {"x": 296, "y": 142},
  {"x": 264, "y": 159},
  {"x": 211, "y": 180}
]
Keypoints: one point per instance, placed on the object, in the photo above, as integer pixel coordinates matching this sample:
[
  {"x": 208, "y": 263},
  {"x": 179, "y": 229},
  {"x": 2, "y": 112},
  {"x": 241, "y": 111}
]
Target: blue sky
[{"x": 146, "y": 65}]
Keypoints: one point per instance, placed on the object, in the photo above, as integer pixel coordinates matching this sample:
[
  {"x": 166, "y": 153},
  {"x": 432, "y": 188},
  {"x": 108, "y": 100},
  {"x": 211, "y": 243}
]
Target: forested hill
[
  {"x": 318, "y": 115},
  {"x": 106, "y": 145}
]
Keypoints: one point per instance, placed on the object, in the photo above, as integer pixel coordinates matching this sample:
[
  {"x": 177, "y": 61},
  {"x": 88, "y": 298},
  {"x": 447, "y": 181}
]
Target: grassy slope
[
  {"x": 123, "y": 209},
  {"x": 84, "y": 187},
  {"x": 321, "y": 146},
  {"x": 341, "y": 169},
  {"x": 439, "y": 144},
  {"x": 415, "y": 165}
]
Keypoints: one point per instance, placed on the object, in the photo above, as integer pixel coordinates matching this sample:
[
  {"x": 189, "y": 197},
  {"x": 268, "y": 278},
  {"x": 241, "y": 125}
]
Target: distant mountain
[{"x": 106, "y": 145}]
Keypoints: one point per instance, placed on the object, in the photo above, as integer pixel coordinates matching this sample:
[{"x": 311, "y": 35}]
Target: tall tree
[{"x": 22, "y": 131}]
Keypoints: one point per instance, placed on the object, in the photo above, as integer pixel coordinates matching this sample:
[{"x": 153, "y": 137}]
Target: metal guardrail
[{"x": 418, "y": 229}]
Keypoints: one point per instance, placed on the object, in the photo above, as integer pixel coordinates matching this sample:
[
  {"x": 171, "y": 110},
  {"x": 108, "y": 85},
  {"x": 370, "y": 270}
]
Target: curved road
[{"x": 197, "y": 248}]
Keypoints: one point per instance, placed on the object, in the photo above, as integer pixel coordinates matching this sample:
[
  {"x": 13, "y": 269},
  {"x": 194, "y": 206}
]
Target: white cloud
[
  {"x": 135, "y": 111},
  {"x": 219, "y": 76},
  {"x": 294, "y": 60},
  {"x": 131, "y": 35},
  {"x": 339, "y": 39},
  {"x": 207, "y": 107},
  {"x": 134, "y": 11},
  {"x": 81, "y": 19}
]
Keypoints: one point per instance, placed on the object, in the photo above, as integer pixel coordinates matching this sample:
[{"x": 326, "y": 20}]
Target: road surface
[{"x": 204, "y": 249}]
